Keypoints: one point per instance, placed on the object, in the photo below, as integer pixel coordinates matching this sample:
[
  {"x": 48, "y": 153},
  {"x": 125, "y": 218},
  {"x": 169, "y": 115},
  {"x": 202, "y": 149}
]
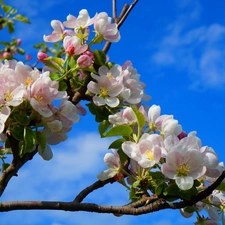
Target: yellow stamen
[
  {"x": 38, "y": 98},
  {"x": 149, "y": 154},
  {"x": 183, "y": 170},
  {"x": 109, "y": 75},
  {"x": 28, "y": 81},
  {"x": 104, "y": 92},
  {"x": 8, "y": 96}
]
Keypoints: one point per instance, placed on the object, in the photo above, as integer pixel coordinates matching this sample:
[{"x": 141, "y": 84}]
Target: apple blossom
[
  {"x": 125, "y": 116},
  {"x": 82, "y": 21},
  {"x": 58, "y": 33},
  {"x": 73, "y": 46},
  {"x": 114, "y": 165},
  {"x": 105, "y": 92},
  {"x": 103, "y": 26}
]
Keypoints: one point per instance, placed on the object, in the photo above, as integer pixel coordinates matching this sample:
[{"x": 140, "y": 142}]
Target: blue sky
[{"x": 178, "y": 47}]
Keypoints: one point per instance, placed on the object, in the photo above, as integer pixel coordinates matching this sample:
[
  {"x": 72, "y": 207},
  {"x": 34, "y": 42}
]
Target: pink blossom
[
  {"x": 125, "y": 116},
  {"x": 72, "y": 46},
  {"x": 82, "y": 21},
  {"x": 104, "y": 27},
  {"x": 147, "y": 152},
  {"x": 43, "y": 92},
  {"x": 106, "y": 92},
  {"x": 184, "y": 166},
  {"x": 58, "y": 33},
  {"x": 114, "y": 165}
]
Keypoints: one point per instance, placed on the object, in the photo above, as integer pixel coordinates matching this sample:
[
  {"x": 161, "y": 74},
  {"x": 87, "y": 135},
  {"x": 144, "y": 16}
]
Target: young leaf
[
  {"x": 117, "y": 143},
  {"x": 21, "y": 18},
  {"x": 100, "y": 57},
  {"x": 41, "y": 140},
  {"x": 62, "y": 85},
  {"x": 29, "y": 139},
  {"x": 6, "y": 8},
  {"x": 17, "y": 133},
  {"x": 140, "y": 118},
  {"x": 10, "y": 25},
  {"x": 103, "y": 126},
  {"x": 120, "y": 130}
]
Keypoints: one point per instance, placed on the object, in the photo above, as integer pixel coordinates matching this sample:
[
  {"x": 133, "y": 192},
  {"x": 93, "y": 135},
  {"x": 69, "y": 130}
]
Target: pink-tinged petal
[
  {"x": 54, "y": 37},
  {"x": 131, "y": 149},
  {"x": 47, "y": 154},
  {"x": 175, "y": 158},
  {"x": 43, "y": 110},
  {"x": 81, "y": 49},
  {"x": 198, "y": 172},
  {"x": 93, "y": 87},
  {"x": 4, "y": 113},
  {"x": 169, "y": 170},
  {"x": 210, "y": 158},
  {"x": 153, "y": 113},
  {"x": 129, "y": 114},
  {"x": 145, "y": 145},
  {"x": 184, "y": 183},
  {"x": 57, "y": 26},
  {"x": 103, "y": 70},
  {"x": 115, "y": 89},
  {"x": 111, "y": 161},
  {"x": 106, "y": 174},
  {"x": 98, "y": 101},
  {"x": 112, "y": 102},
  {"x": 71, "y": 21},
  {"x": 146, "y": 163},
  {"x": 157, "y": 153}
]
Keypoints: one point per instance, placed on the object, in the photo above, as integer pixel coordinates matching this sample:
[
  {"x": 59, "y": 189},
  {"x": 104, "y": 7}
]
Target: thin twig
[{"x": 114, "y": 11}]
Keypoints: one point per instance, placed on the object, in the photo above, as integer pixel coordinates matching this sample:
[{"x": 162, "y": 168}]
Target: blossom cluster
[
  {"x": 163, "y": 147},
  {"x": 30, "y": 94}
]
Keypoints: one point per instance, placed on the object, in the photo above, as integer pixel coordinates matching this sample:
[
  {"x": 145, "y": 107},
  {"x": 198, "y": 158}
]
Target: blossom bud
[
  {"x": 90, "y": 54},
  {"x": 19, "y": 41},
  {"x": 6, "y": 55},
  {"x": 182, "y": 135},
  {"x": 28, "y": 57},
  {"x": 42, "y": 56},
  {"x": 84, "y": 61}
]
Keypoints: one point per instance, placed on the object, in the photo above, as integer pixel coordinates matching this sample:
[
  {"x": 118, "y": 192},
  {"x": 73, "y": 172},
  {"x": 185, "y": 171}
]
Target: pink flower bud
[
  {"x": 90, "y": 54},
  {"x": 84, "y": 61},
  {"x": 28, "y": 57},
  {"x": 19, "y": 41},
  {"x": 42, "y": 56},
  {"x": 70, "y": 50},
  {"x": 6, "y": 55},
  {"x": 182, "y": 135}
]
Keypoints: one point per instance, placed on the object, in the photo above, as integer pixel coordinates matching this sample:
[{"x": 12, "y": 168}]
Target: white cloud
[{"x": 198, "y": 51}]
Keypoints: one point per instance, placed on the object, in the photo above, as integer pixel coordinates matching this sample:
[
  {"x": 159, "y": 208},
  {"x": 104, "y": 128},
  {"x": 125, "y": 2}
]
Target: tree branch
[
  {"x": 119, "y": 20},
  {"x": 143, "y": 206}
]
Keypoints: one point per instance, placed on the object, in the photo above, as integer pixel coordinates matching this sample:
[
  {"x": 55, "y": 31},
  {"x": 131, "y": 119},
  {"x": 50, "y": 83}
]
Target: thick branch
[{"x": 143, "y": 206}]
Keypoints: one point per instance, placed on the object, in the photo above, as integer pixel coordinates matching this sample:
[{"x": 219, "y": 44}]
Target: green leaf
[
  {"x": 136, "y": 184},
  {"x": 6, "y": 8},
  {"x": 123, "y": 156},
  {"x": 62, "y": 85},
  {"x": 4, "y": 43},
  {"x": 20, "y": 51},
  {"x": 10, "y": 25},
  {"x": 39, "y": 45},
  {"x": 100, "y": 57},
  {"x": 159, "y": 189},
  {"x": 21, "y": 18},
  {"x": 41, "y": 140},
  {"x": 13, "y": 11},
  {"x": 17, "y": 133},
  {"x": 221, "y": 187},
  {"x": 5, "y": 166},
  {"x": 120, "y": 130},
  {"x": 72, "y": 62},
  {"x": 29, "y": 139},
  {"x": 103, "y": 126},
  {"x": 140, "y": 118},
  {"x": 55, "y": 76},
  {"x": 117, "y": 143}
]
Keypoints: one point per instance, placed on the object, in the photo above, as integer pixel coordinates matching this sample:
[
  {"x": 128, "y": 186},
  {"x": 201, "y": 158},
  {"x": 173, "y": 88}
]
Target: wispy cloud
[{"x": 198, "y": 51}]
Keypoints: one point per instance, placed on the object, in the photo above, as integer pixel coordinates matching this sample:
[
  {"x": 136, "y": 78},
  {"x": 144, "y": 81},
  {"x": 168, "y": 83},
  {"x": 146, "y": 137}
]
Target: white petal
[{"x": 184, "y": 183}]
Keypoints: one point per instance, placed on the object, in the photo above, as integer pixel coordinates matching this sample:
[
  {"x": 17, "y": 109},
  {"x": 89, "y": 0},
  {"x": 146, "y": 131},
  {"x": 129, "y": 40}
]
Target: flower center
[
  {"x": 8, "y": 96},
  {"x": 38, "y": 98},
  {"x": 28, "y": 81},
  {"x": 110, "y": 75},
  {"x": 183, "y": 170},
  {"x": 152, "y": 126},
  {"x": 149, "y": 154},
  {"x": 103, "y": 92}
]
